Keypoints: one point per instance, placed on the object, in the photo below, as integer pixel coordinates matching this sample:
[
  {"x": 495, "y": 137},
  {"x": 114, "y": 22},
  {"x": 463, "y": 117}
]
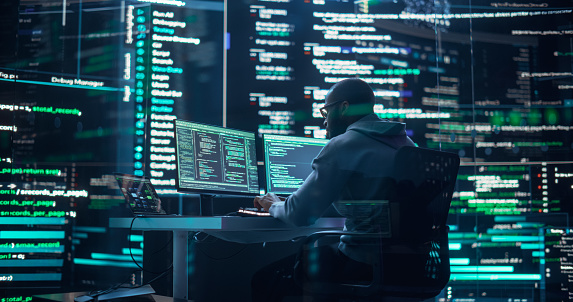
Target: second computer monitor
[
  {"x": 215, "y": 160},
  {"x": 288, "y": 161}
]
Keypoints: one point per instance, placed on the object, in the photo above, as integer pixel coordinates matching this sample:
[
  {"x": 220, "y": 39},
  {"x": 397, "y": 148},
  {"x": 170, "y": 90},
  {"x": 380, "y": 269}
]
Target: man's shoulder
[
  {"x": 344, "y": 138},
  {"x": 349, "y": 140}
]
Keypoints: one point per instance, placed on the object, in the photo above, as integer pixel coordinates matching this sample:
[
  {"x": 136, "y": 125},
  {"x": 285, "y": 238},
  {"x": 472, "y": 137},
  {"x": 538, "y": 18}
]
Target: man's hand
[{"x": 265, "y": 202}]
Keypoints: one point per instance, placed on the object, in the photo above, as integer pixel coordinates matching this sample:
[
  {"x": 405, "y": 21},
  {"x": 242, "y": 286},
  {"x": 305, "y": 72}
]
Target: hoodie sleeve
[{"x": 320, "y": 189}]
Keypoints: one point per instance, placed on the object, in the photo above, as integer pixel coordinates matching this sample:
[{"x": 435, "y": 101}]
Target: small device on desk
[{"x": 139, "y": 194}]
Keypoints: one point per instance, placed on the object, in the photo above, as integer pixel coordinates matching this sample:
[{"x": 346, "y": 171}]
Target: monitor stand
[{"x": 206, "y": 205}]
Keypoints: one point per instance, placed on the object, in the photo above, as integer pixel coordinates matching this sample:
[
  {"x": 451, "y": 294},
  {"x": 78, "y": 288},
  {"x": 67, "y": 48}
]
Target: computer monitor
[
  {"x": 288, "y": 161},
  {"x": 213, "y": 160}
]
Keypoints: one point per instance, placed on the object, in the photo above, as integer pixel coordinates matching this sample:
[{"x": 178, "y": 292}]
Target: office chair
[{"x": 413, "y": 262}]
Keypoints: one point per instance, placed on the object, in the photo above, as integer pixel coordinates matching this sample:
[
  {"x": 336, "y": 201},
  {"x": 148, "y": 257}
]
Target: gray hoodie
[{"x": 345, "y": 173}]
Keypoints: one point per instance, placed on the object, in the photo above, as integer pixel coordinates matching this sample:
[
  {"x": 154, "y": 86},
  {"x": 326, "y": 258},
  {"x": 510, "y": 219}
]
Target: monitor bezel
[{"x": 222, "y": 192}]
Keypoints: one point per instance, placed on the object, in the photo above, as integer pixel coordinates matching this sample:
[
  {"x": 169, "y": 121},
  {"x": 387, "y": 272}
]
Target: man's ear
[{"x": 344, "y": 108}]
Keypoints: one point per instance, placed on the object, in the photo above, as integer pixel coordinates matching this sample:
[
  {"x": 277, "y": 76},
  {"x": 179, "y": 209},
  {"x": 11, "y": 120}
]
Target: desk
[{"x": 230, "y": 228}]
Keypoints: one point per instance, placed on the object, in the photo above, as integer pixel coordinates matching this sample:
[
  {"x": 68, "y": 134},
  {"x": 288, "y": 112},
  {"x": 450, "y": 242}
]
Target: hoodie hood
[{"x": 390, "y": 133}]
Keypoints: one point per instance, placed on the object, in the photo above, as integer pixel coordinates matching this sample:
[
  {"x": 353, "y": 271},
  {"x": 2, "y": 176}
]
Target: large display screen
[{"x": 88, "y": 88}]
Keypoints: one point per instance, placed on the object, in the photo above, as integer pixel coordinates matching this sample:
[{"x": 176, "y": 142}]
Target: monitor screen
[
  {"x": 215, "y": 160},
  {"x": 288, "y": 161}
]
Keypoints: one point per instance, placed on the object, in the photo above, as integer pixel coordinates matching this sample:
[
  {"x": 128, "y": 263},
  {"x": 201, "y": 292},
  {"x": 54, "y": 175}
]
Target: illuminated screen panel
[
  {"x": 91, "y": 90},
  {"x": 513, "y": 189},
  {"x": 489, "y": 89},
  {"x": 176, "y": 53},
  {"x": 288, "y": 161},
  {"x": 213, "y": 159},
  {"x": 496, "y": 220},
  {"x": 494, "y": 74},
  {"x": 500, "y": 256},
  {"x": 558, "y": 263},
  {"x": 291, "y": 53},
  {"x": 64, "y": 96},
  {"x": 33, "y": 244},
  {"x": 271, "y": 49}
]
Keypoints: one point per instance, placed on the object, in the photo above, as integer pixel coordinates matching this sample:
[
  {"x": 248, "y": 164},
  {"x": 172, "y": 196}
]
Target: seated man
[{"x": 349, "y": 168}]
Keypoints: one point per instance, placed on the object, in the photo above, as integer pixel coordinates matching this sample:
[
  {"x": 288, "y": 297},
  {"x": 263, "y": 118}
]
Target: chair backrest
[
  {"x": 413, "y": 250},
  {"x": 425, "y": 181}
]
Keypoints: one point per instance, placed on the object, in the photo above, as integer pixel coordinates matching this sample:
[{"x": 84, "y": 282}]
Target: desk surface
[
  {"x": 230, "y": 228},
  {"x": 228, "y": 223}
]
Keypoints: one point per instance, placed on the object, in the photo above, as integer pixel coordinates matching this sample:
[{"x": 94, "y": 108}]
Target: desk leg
[{"x": 180, "y": 285}]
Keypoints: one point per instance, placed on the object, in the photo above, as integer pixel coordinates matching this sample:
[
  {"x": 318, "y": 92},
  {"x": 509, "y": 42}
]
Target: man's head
[{"x": 346, "y": 102}]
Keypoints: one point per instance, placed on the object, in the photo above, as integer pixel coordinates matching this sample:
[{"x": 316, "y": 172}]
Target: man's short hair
[{"x": 353, "y": 90}]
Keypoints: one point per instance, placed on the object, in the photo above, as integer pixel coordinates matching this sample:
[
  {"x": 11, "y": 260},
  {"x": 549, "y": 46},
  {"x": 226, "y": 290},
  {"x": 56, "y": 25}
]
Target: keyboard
[{"x": 252, "y": 212}]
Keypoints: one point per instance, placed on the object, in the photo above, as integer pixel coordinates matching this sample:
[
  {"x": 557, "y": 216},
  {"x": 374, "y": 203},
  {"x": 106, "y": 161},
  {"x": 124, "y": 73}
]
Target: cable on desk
[
  {"x": 132, "y": 258},
  {"x": 195, "y": 237}
]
